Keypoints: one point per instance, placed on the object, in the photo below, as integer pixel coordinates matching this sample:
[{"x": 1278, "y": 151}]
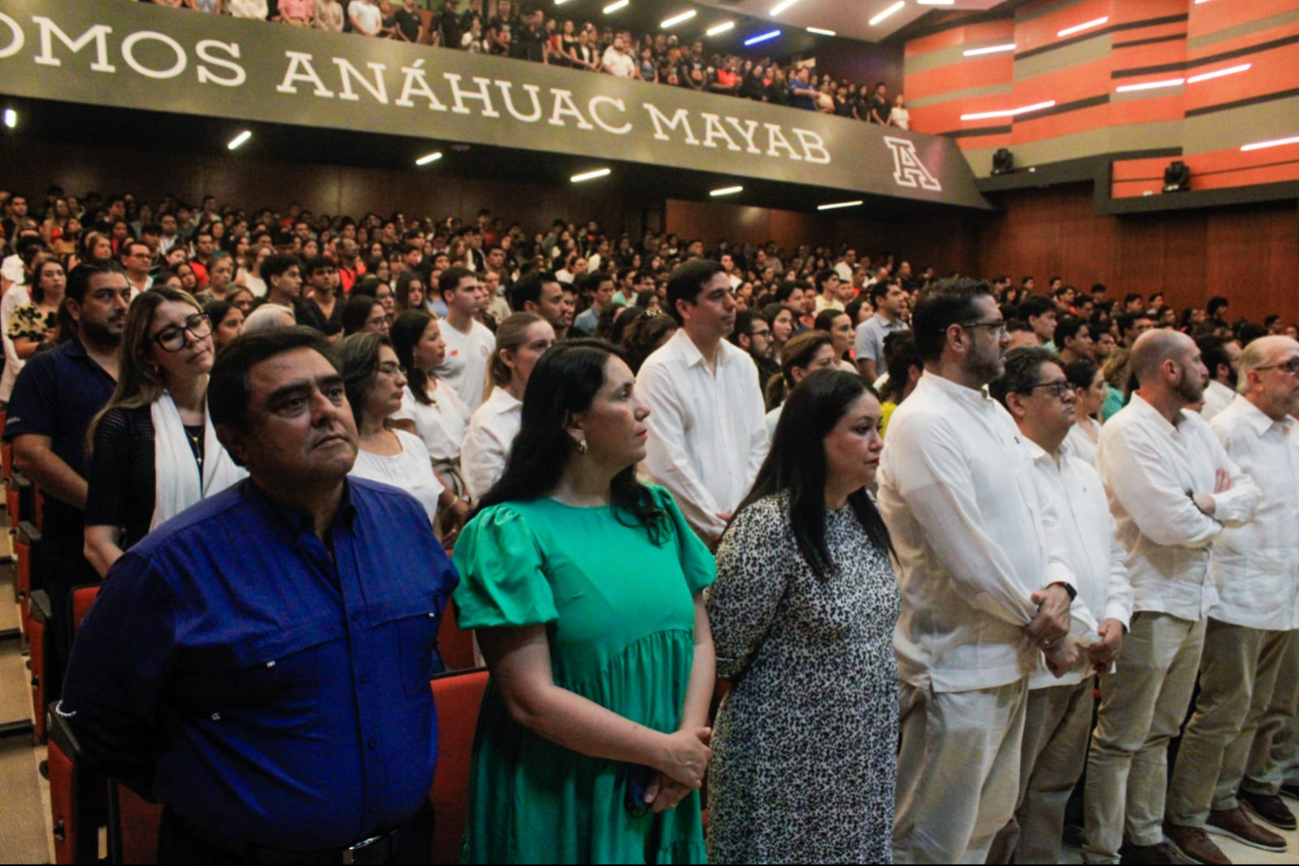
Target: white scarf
[{"x": 177, "y": 481}]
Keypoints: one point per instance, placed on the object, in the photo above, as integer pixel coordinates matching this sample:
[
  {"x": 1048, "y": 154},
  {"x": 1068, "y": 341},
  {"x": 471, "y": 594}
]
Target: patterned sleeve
[
  {"x": 27, "y": 322},
  {"x": 750, "y": 584}
]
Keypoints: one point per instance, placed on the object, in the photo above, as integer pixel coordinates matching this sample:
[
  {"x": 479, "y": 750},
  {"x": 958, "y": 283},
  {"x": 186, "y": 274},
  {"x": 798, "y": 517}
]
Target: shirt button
[{"x": 373, "y": 744}]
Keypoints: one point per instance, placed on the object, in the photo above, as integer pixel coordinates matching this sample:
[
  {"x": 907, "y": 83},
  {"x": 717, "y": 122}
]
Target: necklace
[{"x": 196, "y": 445}]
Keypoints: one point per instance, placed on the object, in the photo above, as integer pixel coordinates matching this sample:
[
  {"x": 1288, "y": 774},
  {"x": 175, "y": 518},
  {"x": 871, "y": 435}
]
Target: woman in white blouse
[
  {"x": 1089, "y": 384},
  {"x": 429, "y": 407},
  {"x": 375, "y": 383},
  {"x": 521, "y": 340}
]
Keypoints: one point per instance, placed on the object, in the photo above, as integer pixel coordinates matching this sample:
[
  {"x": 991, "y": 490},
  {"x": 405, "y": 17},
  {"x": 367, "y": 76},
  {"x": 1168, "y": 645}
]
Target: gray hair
[{"x": 268, "y": 317}]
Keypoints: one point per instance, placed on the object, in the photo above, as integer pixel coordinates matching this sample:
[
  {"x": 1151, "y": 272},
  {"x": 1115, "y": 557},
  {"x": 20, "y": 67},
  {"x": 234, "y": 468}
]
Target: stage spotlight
[
  {"x": 1003, "y": 161},
  {"x": 1177, "y": 177}
]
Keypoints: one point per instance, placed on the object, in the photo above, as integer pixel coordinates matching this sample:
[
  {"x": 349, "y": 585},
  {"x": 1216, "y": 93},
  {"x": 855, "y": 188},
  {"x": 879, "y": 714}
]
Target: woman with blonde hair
[
  {"x": 154, "y": 451},
  {"x": 520, "y": 341}
]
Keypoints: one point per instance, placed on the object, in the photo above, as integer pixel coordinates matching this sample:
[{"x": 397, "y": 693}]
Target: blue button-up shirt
[{"x": 278, "y": 686}]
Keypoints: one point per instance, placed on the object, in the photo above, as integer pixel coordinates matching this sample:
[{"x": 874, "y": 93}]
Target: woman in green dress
[{"x": 585, "y": 587}]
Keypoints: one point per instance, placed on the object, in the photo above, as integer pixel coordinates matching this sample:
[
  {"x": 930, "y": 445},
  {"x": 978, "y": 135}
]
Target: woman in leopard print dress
[{"x": 805, "y": 746}]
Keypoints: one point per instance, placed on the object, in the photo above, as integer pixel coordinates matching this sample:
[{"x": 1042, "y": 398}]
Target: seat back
[
  {"x": 458, "y": 698},
  {"x": 133, "y": 827},
  {"x": 40, "y": 652},
  {"x": 82, "y": 599},
  {"x": 77, "y": 798},
  {"x": 455, "y": 646}
]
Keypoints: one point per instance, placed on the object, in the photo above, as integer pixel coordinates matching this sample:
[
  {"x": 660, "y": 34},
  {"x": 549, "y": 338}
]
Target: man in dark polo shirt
[
  {"x": 55, "y": 397},
  {"x": 260, "y": 663}
]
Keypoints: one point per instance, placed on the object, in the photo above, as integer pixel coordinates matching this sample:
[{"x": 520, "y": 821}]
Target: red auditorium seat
[
  {"x": 82, "y": 599},
  {"x": 458, "y": 697},
  {"x": 76, "y": 799},
  {"x": 133, "y": 826},
  {"x": 456, "y": 646}
]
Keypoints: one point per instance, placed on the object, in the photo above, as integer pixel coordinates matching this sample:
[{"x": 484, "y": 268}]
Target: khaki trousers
[
  {"x": 1056, "y": 727},
  {"x": 1238, "y": 674},
  {"x": 958, "y": 771},
  {"x": 1274, "y": 756},
  {"x": 1143, "y": 703}
]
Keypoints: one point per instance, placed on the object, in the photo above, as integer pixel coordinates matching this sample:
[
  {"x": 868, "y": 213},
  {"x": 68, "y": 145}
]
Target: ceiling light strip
[
  {"x": 237, "y": 142},
  {"x": 841, "y": 204},
  {"x": 762, "y": 37},
  {"x": 729, "y": 190},
  {"x": 887, "y": 12},
  {"x": 1150, "y": 85},
  {"x": 1087, "y": 25},
  {"x": 614, "y": 7},
  {"x": 1230, "y": 70},
  {"x": 1010, "y": 112},
  {"x": 991, "y": 49},
  {"x": 1260, "y": 145},
  {"x": 720, "y": 28},
  {"x": 782, "y": 6},
  {"x": 591, "y": 175},
  {"x": 677, "y": 19},
  {"x": 819, "y": 32},
  {"x": 427, "y": 158}
]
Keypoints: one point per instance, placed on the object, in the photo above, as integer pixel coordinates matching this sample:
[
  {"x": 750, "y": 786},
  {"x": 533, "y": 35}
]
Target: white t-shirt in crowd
[
  {"x": 620, "y": 65},
  {"x": 410, "y": 471},
  {"x": 369, "y": 17},
  {"x": 901, "y": 118},
  {"x": 440, "y": 426},
  {"x": 488, "y": 441},
  {"x": 465, "y": 366},
  {"x": 245, "y": 9}
]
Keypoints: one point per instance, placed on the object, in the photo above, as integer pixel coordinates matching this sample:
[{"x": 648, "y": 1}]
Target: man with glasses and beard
[
  {"x": 986, "y": 586},
  {"x": 55, "y": 397},
  {"x": 1172, "y": 489}
]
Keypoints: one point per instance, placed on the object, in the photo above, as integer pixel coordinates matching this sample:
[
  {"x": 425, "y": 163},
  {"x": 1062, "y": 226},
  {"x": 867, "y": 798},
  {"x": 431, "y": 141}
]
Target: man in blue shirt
[
  {"x": 801, "y": 94},
  {"x": 264, "y": 657},
  {"x": 55, "y": 397}
]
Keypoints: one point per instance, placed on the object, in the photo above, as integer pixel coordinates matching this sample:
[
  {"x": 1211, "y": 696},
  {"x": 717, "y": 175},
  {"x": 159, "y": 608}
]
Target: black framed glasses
[
  {"x": 995, "y": 328},
  {"x": 1291, "y": 366},
  {"x": 172, "y": 338},
  {"x": 1058, "y": 390}
]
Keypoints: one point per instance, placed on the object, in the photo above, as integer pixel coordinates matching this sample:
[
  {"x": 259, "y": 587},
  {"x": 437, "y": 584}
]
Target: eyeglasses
[
  {"x": 172, "y": 339},
  {"x": 1291, "y": 367},
  {"x": 1057, "y": 389},
  {"x": 391, "y": 368},
  {"x": 995, "y": 328}
]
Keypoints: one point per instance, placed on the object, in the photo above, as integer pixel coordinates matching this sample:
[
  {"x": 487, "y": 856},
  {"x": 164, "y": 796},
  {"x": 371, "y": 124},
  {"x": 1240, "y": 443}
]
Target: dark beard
[{"x": 98, "y": 335}]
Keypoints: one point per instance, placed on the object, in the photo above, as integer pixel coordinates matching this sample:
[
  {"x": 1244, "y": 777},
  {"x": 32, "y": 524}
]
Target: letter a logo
[{"x": 908, "y": 170}]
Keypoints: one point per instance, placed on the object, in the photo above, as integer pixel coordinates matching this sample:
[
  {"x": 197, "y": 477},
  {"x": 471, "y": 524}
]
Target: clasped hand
[
  {"x": 1050, "y": 628},
  {"x": 682, "y": 769}
]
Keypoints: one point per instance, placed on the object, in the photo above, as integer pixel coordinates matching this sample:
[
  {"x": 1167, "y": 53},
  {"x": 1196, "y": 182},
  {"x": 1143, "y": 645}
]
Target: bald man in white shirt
[
  {"x": 1248, "y": 641},
  {"x": 1172, "y": 489},
  {"x": 984, "y": 579},
  {"x": 1041, "y": 399},
  {"x": 707, "y": 427}
]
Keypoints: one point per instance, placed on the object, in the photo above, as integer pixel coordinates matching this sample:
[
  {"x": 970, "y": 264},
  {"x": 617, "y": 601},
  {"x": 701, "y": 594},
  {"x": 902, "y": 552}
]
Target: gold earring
[{"x": 582, "y": 447}]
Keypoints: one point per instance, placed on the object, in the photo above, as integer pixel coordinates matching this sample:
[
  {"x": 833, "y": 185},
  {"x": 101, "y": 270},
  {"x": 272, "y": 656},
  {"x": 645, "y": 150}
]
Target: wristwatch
[{"x": 1073, "y": 593}]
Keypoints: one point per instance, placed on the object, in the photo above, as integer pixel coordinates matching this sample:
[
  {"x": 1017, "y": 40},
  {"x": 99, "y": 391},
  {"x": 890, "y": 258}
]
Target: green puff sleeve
[
  {"x": 696, "y": 559},
  {"x": 501, "y": 580}
]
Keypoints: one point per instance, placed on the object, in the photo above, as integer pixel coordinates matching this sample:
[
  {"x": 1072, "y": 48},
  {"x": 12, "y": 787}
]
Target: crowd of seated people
[{"x": 507, "y": 29}]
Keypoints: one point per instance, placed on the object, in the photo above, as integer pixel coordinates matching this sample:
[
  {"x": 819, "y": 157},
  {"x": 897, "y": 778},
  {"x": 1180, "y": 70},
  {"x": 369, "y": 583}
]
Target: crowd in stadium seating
[
  {"x": 507, "y": 29},
  {"x": 520, "y": 383}
]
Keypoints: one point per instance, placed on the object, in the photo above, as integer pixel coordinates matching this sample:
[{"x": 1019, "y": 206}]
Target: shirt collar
[
  {"x": 691, "y": 352},
  {"x": 293, "y": 523},
  {"x": 974, "y": 397},
  {"x": 503, "y": 401},
  {"x": 1259, "y": 421},
  {"x": 1152, "y": 414}
]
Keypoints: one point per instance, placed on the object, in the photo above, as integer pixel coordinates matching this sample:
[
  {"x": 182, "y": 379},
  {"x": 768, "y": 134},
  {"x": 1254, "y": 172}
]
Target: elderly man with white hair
[
  {"x": 1227, "y": 759},
  {"x": 1172, "y": 489}
]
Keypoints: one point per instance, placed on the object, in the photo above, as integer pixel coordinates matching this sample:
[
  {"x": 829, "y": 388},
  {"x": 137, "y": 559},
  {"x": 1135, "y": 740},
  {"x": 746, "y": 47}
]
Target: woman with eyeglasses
[
  {"x": 154, "y": 451},
  {"x": 375, "y": 383}
]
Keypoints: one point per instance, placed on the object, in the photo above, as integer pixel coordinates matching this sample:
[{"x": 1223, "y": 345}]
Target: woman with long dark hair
[
  {"x": 429, "y": 407},
  {"x": 585, "y": 589},
  {"x": 802, "y": 614}
]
